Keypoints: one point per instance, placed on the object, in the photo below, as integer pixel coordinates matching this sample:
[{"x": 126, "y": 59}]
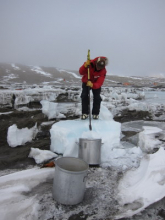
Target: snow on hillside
[
  {"x": 15, "y": 73},
  {"x": 38, "y": 70}
]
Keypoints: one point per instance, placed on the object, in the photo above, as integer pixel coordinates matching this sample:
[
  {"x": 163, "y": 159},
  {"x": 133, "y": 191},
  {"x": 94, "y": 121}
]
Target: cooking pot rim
[
  {"x": 70, "y": 171},
  {"x": 90, "y": 139}
]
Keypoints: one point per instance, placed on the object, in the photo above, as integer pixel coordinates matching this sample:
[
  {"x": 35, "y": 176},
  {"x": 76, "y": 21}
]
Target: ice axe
[{"x": 89, "y": 106}]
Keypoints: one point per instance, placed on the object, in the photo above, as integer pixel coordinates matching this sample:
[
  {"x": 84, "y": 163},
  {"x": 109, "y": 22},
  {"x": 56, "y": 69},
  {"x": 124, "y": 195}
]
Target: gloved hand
[
  {"x": 87, "y": 63},
  {"x": 89, "y": 83}
]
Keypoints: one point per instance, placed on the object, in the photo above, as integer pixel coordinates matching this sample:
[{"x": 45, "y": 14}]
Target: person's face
[{"x": 98, "y": 67}]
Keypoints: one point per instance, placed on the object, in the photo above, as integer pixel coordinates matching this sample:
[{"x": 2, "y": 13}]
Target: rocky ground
[{"x": 17, "y": 158}]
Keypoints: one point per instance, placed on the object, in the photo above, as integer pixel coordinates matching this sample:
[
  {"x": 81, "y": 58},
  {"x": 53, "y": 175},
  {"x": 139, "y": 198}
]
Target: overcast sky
[{"x": 58, "y": 33}]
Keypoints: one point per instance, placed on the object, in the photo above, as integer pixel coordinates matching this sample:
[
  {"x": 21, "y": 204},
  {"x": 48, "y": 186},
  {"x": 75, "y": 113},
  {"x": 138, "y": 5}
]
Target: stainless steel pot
[
  {"x": 90, "y": 150},
  {"x": 69, "y": 180}
]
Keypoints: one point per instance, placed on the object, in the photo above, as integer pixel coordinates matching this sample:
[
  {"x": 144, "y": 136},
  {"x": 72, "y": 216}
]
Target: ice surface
[
  {"x": 65, "y": 134},
  {"x": 65, "y": 140},
  {"x": 147, "y": 140}
]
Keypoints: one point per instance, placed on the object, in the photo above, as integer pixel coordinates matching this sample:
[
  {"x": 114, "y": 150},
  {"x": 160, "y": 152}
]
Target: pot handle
[{"x": 85, "y": 177}]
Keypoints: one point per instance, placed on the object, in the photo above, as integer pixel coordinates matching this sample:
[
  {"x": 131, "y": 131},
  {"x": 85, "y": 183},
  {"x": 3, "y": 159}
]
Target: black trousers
[{"x": 85, "y": 100}]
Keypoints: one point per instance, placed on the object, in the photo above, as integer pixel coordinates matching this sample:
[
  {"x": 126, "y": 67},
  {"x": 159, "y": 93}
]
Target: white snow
[
  {"x": 141, "y": 187},
  {"x": 15, "y": 67},
  {"x": 73, "y": 74},
  {"x": 14, "y": 188},
  {"x": 47, "y": 123},
  {"x": 10, "y": 76},
  {"x": 147, "y": 140},
  {"x": 5, "y": 113},
  {"x": 50, "y": 109},
  {"x": 39, "y": 70},
  {"x": 40, "y": 156},
  {"x": 16, "y": 137}
]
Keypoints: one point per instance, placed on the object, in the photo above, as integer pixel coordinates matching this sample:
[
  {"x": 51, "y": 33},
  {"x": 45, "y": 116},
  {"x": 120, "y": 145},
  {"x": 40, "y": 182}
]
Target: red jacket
[{"x": 96, "y": 77}]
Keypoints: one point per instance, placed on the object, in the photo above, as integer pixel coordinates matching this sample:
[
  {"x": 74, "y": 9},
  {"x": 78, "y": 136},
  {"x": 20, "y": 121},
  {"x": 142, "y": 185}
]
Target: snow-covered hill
[{"x": 14, "y": 74}]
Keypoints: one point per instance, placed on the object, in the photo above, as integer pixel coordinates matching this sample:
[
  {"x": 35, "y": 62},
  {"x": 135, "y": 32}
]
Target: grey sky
[{"x": 131, "y": 33}]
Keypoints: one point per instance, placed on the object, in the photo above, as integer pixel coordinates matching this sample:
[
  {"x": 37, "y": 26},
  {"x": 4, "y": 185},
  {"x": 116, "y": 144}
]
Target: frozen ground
[
  {"x": 128, "y": 184},
  {"x": 109, "y": 188}
]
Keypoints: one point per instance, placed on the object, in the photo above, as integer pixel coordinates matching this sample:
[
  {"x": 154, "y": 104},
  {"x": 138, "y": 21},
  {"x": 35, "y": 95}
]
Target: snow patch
[
  {"x": 41, "y": 156},
  {"x": 16, "y": 137}
]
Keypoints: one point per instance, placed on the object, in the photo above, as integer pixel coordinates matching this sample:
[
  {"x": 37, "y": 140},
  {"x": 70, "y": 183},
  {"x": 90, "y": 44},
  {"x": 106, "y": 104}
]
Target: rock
[{"x": 127, "y": 115}]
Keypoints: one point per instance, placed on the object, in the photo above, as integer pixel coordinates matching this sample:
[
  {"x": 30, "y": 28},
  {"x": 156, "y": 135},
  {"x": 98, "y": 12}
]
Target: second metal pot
[{"x": 90, "y": 150}]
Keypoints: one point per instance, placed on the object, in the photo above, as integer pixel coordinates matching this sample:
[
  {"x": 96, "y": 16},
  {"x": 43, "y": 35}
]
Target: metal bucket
[
  {"x": 90, "y": 150},
  {"x": 69, "y": 180}
]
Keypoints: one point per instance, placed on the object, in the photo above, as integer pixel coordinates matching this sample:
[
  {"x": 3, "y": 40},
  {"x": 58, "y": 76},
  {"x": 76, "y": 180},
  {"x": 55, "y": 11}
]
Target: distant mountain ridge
[{"x": 24, "y": 74}]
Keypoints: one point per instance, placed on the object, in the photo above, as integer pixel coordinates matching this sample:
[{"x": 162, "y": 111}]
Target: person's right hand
[
  {"x": 90, "y": 84},
  {"x": 87, "y": 63}
]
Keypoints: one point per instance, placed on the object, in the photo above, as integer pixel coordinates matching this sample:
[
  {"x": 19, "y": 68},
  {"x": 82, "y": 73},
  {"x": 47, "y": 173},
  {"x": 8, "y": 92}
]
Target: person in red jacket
[{"x": 97, "y": 77}]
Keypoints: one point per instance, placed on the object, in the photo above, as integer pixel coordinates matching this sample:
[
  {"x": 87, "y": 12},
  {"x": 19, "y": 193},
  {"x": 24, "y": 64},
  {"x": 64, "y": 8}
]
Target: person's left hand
[
  {"x": 87, "y": 63},
  {"x": 90, "y": 84}
]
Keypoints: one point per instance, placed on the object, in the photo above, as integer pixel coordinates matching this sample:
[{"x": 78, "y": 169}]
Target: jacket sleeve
[
  {"x": 83, "y": 70},
  {"x": 100, "y": 80}
]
